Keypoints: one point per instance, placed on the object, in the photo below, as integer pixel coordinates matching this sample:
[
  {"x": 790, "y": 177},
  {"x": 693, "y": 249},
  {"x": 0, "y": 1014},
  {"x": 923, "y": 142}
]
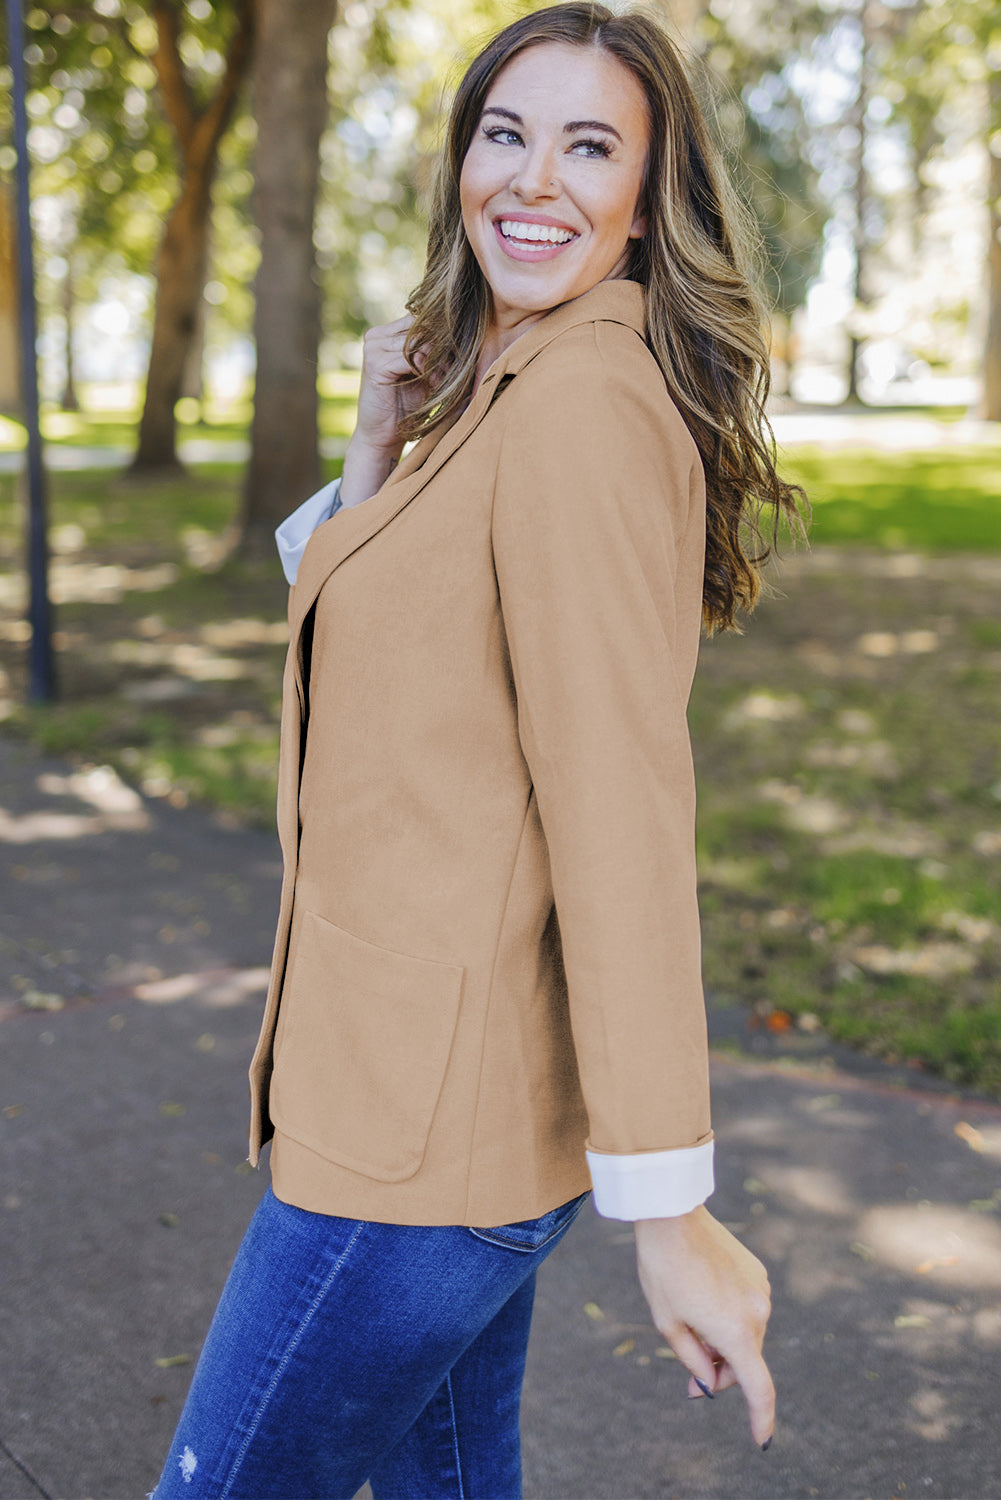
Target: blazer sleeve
[{"x": 598, "y": 481}]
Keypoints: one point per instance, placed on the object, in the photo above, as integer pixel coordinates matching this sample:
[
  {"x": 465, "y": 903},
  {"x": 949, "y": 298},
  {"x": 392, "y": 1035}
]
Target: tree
[
  {"x": 105, "y": 157},
  {"x": 290, "y": 106},
  {"x": 10, "y": 393},
  {"x": 183, "y": 255},
  {"x": 752, "y": 59},
  {"x": 944, "y": 78}
]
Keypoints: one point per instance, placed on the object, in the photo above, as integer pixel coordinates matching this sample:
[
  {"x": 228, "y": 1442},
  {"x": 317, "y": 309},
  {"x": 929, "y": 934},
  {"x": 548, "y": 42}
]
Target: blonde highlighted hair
[{"x": 705, "y": 317}]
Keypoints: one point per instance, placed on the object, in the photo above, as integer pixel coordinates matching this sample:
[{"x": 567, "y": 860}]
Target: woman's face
[{"x": 551, "y": 181}]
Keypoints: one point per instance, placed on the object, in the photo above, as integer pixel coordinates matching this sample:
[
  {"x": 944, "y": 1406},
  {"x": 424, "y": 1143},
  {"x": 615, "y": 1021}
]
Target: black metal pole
[{"x": 41, "y": 678}]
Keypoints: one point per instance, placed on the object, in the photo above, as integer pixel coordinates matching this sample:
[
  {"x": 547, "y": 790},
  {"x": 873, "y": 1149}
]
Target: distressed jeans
[{"x": 344, "y": 1351}]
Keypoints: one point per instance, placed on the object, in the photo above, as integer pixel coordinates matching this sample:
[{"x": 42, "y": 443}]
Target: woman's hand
[
  {"x": 383, "y": 402},
  {"x": 710, "y": 1299}
]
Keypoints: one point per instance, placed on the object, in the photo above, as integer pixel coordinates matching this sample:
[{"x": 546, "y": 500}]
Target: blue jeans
[{"x": 344, "y": 1351}]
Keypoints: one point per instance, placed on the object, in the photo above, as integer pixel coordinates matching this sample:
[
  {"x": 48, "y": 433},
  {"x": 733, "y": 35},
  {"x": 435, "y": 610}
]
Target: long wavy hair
[{"x": 705, "y": 315}]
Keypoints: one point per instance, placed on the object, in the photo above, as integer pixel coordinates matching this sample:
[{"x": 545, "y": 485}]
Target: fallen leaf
[
  {"x": 665, "y": 1353},
  {"x": 169, "y": 1361},
  {"x": 39, "y": 1000},
  {"x": 823, "y": 1101},
  {"x": 911, "y": 1320},
  {"x": 626, "y": 1347},
  {"x": 644, "y": 1359},
  {"x": 970, "y": 1134},
  {"x": 169, "y": 1221},
  {"x": 205, "y": 1043},
  {"x": 593, "y": 1311},
  {"x": 778, "y": 1020},
  {"x": 11, "y": 1111},
  {"x": 173, "y": 1109},
  {"x": 862, "y": 1250},
  {"x": 933, "y": 1262},
  {"x": 756, "y": 1186}
]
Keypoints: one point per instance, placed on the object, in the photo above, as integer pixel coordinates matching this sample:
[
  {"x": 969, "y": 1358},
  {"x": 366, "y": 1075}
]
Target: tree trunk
[
  {"x": 10, "y": 342},
  {"x": 290, "y": 105},
  {"x": 182, "y": 259},
  {"x": 70, "y": 401},
  {"x": 856, "y": 339},
  {"x": 992, "y": 346},
  {"x": 180, "y": 280}
]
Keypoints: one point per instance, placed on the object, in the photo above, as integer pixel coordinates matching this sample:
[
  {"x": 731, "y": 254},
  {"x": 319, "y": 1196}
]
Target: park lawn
[
  {"x": 943, "y": 499},
  {"x": 217, "y": 420},
  {"x": 847, "y": 746}
]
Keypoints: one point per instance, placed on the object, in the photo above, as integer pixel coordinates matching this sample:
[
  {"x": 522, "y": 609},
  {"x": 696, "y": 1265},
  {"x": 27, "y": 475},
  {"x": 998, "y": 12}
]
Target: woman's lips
[{"x": 530, "y": 250}]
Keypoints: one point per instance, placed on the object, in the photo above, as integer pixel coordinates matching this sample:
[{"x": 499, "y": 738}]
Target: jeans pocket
[{"x": 530, "y": 1235}]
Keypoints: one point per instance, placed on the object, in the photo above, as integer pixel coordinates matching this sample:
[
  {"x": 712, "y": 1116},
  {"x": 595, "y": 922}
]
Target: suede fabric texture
[{"x": 488, "y": 951}]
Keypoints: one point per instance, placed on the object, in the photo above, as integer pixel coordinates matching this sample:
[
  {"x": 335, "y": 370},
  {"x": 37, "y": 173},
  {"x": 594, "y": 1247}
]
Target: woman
[{"x": 486, "y": 994}]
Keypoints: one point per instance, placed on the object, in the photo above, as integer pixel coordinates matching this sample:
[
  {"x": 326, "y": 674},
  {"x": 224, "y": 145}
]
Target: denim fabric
[{"x": 344, "y": 1351}]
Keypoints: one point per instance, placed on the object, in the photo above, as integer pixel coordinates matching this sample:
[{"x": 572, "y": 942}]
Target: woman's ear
[{"x": 638, "y": 227}]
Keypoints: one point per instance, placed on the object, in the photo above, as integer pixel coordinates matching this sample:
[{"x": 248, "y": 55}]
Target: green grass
[
  {"x": 848, "y": 745},
  {"x": 222, "y": 421},
  {"x": 169, "y": 653},
  {"x": 946, "y": 499},
  {"x": 850, "y": 807}
]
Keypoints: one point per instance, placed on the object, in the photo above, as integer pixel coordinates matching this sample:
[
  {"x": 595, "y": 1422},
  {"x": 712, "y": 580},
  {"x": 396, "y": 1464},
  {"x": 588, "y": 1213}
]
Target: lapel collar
[{"x": 335, "y": 540}]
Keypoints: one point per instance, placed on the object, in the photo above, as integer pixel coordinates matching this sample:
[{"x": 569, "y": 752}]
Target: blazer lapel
[{"x": 335, "y": 540}]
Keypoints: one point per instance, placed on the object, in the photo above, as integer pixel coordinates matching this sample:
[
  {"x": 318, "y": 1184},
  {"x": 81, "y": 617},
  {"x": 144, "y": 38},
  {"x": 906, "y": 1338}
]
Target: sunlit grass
[
  {"x": 946, "y": 499},
  {"x": 115, "y": 425}
]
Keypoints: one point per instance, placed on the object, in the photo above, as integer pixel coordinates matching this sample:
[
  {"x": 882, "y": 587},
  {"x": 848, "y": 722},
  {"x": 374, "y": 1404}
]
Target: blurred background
[{"x": 224, "y": 196}]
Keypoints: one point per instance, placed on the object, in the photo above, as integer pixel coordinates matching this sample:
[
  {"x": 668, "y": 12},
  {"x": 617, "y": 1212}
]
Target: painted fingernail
[
  {"x": 703, "y": 1388},
  {"x": 766, "y": 1444}
]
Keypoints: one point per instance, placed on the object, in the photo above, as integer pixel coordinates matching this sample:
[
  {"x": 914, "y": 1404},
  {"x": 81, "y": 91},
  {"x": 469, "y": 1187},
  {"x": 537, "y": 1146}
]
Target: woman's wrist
[
  {"x": 677, "y": 1225},
  {"x": 367, "y": 466}
]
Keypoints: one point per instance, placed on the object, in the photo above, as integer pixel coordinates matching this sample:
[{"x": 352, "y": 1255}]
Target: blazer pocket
[{"x": 363, "y": 1051}]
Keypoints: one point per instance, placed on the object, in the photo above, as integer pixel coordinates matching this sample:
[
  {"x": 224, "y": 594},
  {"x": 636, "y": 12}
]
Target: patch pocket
[
  {"x": 529, "y": 1235},
  {"x": 364, "y": 1049}
]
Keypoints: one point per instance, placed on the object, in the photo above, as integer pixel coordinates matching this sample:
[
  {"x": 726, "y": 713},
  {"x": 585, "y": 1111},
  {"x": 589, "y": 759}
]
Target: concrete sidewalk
[{"x": 133, "y": 939}]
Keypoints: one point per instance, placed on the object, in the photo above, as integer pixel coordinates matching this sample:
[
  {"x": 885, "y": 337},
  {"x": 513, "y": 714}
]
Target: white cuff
[
  {"x": 651, "y": 1184},
  {"x": 294, "y": 532}
]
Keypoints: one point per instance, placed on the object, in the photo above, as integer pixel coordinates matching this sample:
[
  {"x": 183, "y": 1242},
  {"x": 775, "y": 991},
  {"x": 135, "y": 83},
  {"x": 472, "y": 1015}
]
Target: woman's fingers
[
  {"x": 754, "y": 1379},
  {"x": 695, "y": 1357},
  {"x": 383, "y": 401},
  {"x": 725, "y": 1377},
  {"x": 709, "y": 1297}
]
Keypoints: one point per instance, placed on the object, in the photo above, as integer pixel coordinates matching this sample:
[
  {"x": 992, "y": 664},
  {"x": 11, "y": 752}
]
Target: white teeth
[{"x": 513, "y": 229}]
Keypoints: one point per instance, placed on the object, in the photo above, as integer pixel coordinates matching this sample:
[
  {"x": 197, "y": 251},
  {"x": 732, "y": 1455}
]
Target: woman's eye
[
  {"x": 592, "y": 148},
  {"x": 498, "y": 131}
]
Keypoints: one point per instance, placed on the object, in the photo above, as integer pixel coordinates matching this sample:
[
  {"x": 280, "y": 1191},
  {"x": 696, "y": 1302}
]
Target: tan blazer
[{"x": 488, "y": 946}]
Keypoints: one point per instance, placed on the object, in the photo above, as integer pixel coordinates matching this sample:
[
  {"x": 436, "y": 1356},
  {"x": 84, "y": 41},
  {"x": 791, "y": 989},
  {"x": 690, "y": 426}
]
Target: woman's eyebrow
[
  {"x": 569, "y": 128},
  {"x": 574, "y": 125}
]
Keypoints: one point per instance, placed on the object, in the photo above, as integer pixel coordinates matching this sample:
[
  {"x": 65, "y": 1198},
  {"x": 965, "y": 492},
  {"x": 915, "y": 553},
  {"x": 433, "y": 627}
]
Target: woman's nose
[{"x": 535, "y": 177}]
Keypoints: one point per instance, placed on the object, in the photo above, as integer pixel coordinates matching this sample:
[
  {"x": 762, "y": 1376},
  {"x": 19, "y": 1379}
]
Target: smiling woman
[
  {"x": 486, "y": 995},
  {"x": 543, "y": 184}
]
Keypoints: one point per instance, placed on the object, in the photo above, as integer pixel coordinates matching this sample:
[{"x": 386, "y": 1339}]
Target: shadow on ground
[{"x": 133, "y": 948}]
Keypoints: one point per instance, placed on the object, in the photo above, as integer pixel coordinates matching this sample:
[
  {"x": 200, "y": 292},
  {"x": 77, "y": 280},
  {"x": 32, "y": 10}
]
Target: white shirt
[{"x": 638, "y": 1185}]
